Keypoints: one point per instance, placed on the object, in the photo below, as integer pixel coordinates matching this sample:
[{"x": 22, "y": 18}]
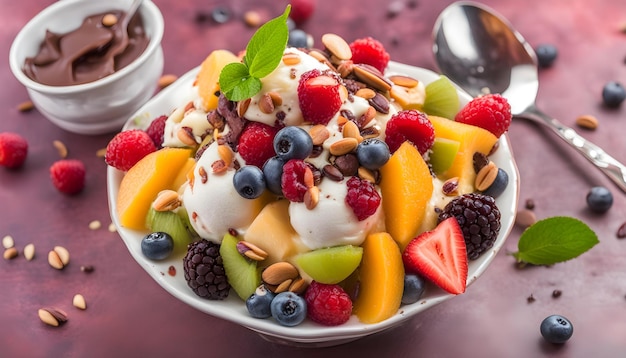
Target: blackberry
[
  {"x": 204, "y": 270},
  {"x": 479, "y": 218}
]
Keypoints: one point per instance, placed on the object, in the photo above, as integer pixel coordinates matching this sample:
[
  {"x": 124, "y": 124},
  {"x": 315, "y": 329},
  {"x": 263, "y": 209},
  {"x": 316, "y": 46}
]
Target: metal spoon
[{"x": 480, "y": 51}]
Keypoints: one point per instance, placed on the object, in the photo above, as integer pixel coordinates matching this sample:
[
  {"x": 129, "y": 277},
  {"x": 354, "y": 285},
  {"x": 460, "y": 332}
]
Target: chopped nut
[
  {"x": 252, "y": 18},
  {"x": 61, "y": 148},
  {"x": 450, "y": 187},
  {"x": 167, "y": 200},
  {"x": 166, "y": 80},
  {"x": 112, "y": 227},
  {"x": 283, "y": 286},
  {"x": 109, "y": 20},
  {"x": 185, "y": 135},
  {"x": 587, "y": 122},
  {"x": 404, "y": 81},
  {"x": 319, "y": 133},
  {"x": 79, "y": 301},
  {"x": 277, "y": 273},
  {"x": 366, "y": 93},
  {"x": 312, "y": 197},
  {"x": 59, "y": 257},
  {"x": 525, "y": 218},
  {"x": 8, "y": 242},
  {"x": 29, "y": 251},
  {"x": 266, "y": 105},
  {"x": 100, "y": 153},
  {"x": 372, "y": 77},
  {"x": 242, "y": 107},
  {"x": 95, "y": 225},
  {"x": 350, "y": 130},
  {"x": 298, "y": 286},
  {"x": 251, "y": 251},
  {"x": 10, "y": 253},
  {"x": 25, "y": 106},
  {"x": 336, "y": 45},
  {"x": 486, "y": 176},
  {"x": 226, "y": 154},
  {"x": 343, "y": 146},
  {"x": 291, "y": 59},
  {"x": 52, "y": 316}
]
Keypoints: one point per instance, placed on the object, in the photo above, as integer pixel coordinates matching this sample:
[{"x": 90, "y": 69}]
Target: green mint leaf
[
  {"x": 266, "y": 47},
  {"x": 554, "y": 240},
  {"x": 237, "y": 84}
]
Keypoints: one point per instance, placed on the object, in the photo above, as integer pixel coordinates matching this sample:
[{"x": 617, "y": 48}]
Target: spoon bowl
[{"x": 481, "y": 52}]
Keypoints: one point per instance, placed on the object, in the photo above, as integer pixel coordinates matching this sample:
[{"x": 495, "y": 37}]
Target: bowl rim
[
  {"x": 306, "y": 334},
  {"x": 149, "y": 11}
]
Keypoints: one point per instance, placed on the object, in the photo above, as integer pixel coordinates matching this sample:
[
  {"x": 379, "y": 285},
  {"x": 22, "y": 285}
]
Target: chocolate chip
[
  {"x": 380, "y": 103},
  {"x": 332, "y": 173},
  {"x": 621, "y": 232},
  {"x": 348, "y": 164},
  {"x": 556, "y": 293}
]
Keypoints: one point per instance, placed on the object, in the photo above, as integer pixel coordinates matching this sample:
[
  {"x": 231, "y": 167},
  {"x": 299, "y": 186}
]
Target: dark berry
[
  {"x": 258, "y": 304},
  {"x": 556, "y": 329},
  {"x": 293, "y": 143},
  {"x": 362, "y": 197},
  {"x": 599, "y": 199},
  {"x": 273, "y": 172},
  {"x": 249, "y": 181},
  {"x": 479, "y": 219},
  {"x": 546, "y": 54},
  {"x": 157, "y": 245},
  {"x": 373, "y": 153},
  {"x": 204, "y": 270},
  {"x": 613, "y": 94},
  {"x": 299, "y": 38},
  {"x": 293, "y": 180},
  {"x": 414, "y": 287},
  {"x": 288, "y": 309},
  {"x": 499, "y": 184},
  {"x": 220, "y": 15}
]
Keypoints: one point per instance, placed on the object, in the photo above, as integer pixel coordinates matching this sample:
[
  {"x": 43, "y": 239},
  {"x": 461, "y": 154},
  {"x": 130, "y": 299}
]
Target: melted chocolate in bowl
[{"x": 89, "y": 53}]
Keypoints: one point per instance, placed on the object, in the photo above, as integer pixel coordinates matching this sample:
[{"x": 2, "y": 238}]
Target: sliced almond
[
  {"x": 298, "y": 286},
  {"x": 587, "y": 122},
  {"x": 166, "y": 80},
  {"x": 283, "y": 286},
  {"x": 337, "y": 46},
  {"x": 242, "y": 107},
  {"x": 61, "y": 148},
  {"x": 25, "y": 106},
  {"x": 266, "y": 105},
  {"x": 277, "y": 273},
  {"x": 29, "y": 251},
  {"x": 52, "y": 316},
  {"x": 79, "y": 301},
  {"x": 277, "y": 99}
]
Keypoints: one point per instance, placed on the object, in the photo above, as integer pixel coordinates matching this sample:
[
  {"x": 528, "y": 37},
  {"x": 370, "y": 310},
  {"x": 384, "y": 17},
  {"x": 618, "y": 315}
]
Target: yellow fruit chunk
[
  {"x": 272, "y": 232},
  {"x": 472, "y": 139},
  {"x": 181, "y": 178},
  {"x": 406, "y": 186},
  {"x": 381, "y": 279},
  {"x": 141, "y": 184},
  {"x": 209, "y": 75}
]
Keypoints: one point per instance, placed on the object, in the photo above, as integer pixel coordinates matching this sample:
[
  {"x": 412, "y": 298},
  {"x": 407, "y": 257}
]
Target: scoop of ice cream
[
  {"x": 212, "y": 203},
  {"x": 332, "y": 221}
]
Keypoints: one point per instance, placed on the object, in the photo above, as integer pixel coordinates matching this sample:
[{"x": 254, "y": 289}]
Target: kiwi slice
[
  {"x": 442, "y": 154},
  {"x": 330, "y": 265},
  {"x": 441, "y": 100},
  {"x": 171, "y": 223},
  {"x": 243, "y": 274}
]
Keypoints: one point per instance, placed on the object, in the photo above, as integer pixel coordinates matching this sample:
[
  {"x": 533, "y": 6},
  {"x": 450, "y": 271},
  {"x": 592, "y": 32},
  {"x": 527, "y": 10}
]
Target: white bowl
[
  {"x": 101, "y": 106},
  {"x": 308, "y": 333}
]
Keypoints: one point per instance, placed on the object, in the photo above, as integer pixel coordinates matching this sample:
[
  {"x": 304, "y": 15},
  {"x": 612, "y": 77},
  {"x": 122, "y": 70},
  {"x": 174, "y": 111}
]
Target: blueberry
[
  {"x": 546, "y": 54},
  {"x": 613, "y": 94},
  {"x": 220, "y": 15},
  {"x": 599, "y": 199},
  {"x": 249, "y": 181},
  {"x": 157, "y": 245},
  {"x": 293, "y": 143},
  {"x": 298, "y": 38},
  {"x": 273, "y": 172},
  {"x": 288, "y": 309},
  {"x": 290, "y": 24},
  {"x": 499, "y": 184},
  {"x": 556, "y": 329},
  {"x": 258, "y": 304},
  {"x": 372, "y": 153},
  {"x": 414, "y": 287}
]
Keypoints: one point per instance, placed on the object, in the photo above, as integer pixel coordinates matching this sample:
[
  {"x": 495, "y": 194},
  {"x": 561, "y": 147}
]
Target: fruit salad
[{"x": 336, "y": 190}]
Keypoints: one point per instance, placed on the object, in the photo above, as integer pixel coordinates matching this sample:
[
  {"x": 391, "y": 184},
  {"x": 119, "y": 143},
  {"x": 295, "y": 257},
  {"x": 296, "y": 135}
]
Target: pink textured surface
[{"x": 128, "y": 314}]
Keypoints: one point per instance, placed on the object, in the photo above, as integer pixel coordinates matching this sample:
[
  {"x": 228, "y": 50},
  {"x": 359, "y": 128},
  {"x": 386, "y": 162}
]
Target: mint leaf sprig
[
  {"x": 553, "y": 240},
  {"x": 242, "y": 80}
]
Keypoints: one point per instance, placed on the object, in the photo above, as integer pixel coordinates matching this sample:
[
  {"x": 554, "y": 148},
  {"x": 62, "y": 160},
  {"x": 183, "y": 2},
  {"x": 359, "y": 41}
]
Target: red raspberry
[
  {"x": 362, "y": 197},
  {"x": 156, "y": 129},
  {"x": 371, "y": 52},
  {"x": 301, "y": 10},
  {"x": 329, "y": 305},
  {"x": 256, "y": 143},
  {"x": 292, "y": 180},
  {"x": 412, "y": 126},
  {"x": 68, "y": 175},
  {"x": 127, "y": 148},
  {"x": 13, "y": 150},
  {"x": 318, "y": 96},
  {"x": 491, "y": 112}
]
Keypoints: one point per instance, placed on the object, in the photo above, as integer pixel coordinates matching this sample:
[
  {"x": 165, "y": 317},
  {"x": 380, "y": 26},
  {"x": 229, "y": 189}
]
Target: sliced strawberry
[
  {"x": 318, "y": 97},
  {"x": 440, "y": 256}
]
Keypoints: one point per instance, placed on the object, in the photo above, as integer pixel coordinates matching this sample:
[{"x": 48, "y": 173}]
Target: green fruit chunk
[
  {"x": 443, "y": 153},
  {"x": 243, "y": 274},
  {"x": 330, "y": 265},
  {"x": 441, "y": 98},
  {"x": 171, "y": 223}
]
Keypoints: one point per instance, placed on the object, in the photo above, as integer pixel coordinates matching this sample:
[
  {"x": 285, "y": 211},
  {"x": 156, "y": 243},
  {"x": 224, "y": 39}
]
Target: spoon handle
[{"x": 611, "y": 167}]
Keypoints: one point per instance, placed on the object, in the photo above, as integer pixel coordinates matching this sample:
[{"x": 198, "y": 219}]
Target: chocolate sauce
[{"x": 90, "y": 52}]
